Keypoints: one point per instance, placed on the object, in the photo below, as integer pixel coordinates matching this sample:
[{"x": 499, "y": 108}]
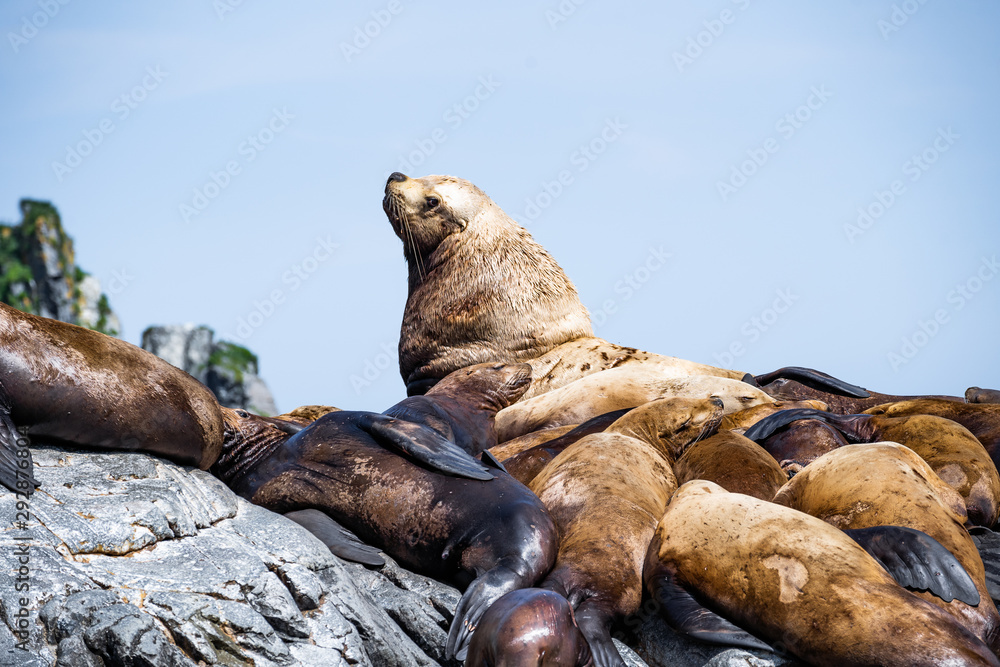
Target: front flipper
[
  {"x": 595, "y": 625},
  {"x": 340, "y": 541},
  {"x": 988, "y": 544},
  {"x": 479, "y": 596},
  {"x": 918, "y": 561},
  {"x": 773, "y": 423},
  {"x": 686, "y": 615},
  {"x": 814, "y": 379},
  {"x": 17, "y": 470},
  {"x": 423, "y": 444}
]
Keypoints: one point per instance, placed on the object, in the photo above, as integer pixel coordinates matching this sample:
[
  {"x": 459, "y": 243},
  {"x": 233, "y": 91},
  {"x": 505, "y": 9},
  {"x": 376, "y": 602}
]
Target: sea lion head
[
  {"x": 495, "y": 385},
  {"x": 672, "y": 424},
  {"x": 425, "y": 211},
  {"x": 247, "y": 438}
]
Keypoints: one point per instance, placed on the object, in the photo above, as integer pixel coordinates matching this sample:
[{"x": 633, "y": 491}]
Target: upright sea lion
[
  {"x": 489, "y": 537},
  {"x": 604, "y": 492},
  {"x": 886, "y": 484},
  {"x": 616, "y": 389},
  {"x": 794, "y": 580},
  {"x": 734, "y": 462},
  {"x": 954, "y": 453}
]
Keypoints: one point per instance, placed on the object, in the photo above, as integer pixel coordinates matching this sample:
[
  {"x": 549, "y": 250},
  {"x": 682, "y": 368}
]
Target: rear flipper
[
  {"x": 338, "y": 539},
  {"x": 687, "y": 615},
  {"x": 918, "y": 561},
  {"x": 17, "y": 470},
  {"x": 769, "y": 425},
  {"x": 423, "y": 444},
  {"x": 811, "y": 378},
  {"x": 479, "y": 596},
  {"x": 490, "y": 460},
  {"x": 988, "y": 544}
]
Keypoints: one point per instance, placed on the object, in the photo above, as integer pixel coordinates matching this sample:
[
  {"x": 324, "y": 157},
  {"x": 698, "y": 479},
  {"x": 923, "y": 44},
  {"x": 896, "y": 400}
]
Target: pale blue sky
[{"x": 310, "y": 130}]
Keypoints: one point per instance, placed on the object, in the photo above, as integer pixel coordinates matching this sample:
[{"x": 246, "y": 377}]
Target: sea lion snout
[{"x": 395, "y": 177}]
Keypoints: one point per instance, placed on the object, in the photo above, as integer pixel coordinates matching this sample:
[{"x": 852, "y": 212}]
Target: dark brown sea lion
[
  {"x": 489, "y": 537},
  {"x": 802, "y": 442},
  {"x": 794, "y": 581},
  {"x": 954, "y": 453},
  {"x": 886, "y": 484},
  {"x": 977, "y": 395},
  {"x": 604, "y": 493},
  {"x": 530, "y": 626},
  {"x": 734, "y": 462}
]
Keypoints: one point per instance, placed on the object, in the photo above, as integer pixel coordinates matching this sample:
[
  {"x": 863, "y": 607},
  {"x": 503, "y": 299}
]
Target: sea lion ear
[
  {"x": 423, "y": 444},
  {"x": 685, "y": 614},
  {"x": 814, "y": 379},
  {"x": 339, "y": 540},
  {"x": 918, "y": 561}
]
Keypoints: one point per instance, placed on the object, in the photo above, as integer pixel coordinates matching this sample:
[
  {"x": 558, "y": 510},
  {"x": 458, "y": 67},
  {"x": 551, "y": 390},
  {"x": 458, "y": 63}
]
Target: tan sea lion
[
  {"x": 794, "y": 581},
  {"x": 886, "y": 484},
  {"x": 604, "y": 492},
  {"x": 954, "y": 453},
  {"x": 307, "y": 414},
  {"x": 616, "y": 389},
  {"x": 734, "y": 462},
  {"x": 741, "y": 420}
]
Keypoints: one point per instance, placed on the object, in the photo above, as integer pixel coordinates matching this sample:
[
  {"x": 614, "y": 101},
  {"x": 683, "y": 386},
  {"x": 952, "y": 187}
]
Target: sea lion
[
  {"x": 480, "y": 288},
  {"x": 792, "y": 390},
  {"x": 616, "y": 389},
  {"x": 489, "y": 538},
  {"x": 604, "y": 493},
  {"x": 307, "y": 414},
  {"x": 982, "y": 419},
  {"x": 886, "y": 484},
  {"x": 793, "y": 580},
  {"x": 527, "y": 463},
  {"x": 954, "y": 453},
  {"x": 802, "y": 442},
  {"x": 530, "y": 626},
  {"x": 977, "y": 395},
  {"x": 734, "y": 462}
]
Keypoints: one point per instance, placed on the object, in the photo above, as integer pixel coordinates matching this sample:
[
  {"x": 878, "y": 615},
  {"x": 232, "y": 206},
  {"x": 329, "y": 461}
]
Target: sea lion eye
[
  {"x": 432, "y": 202},
  {"x": 242, "y": 413}
]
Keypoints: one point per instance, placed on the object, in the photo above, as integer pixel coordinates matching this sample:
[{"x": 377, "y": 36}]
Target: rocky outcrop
[
  {"x": 127, "y": 559},
  {"x": 229, "y": 370},
  {"x": 39, "y": 274}
]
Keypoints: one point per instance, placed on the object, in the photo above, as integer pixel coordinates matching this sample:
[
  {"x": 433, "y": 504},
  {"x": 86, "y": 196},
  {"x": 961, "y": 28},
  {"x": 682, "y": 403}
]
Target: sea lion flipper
[
  {"x": 481, "y": 593},
  {"x": 595, "y": 625},
  {"x": 687, "y": 615},
  {"x": 340, "y": 541},
  {"x": 814, "y": 379},
  {"x": 15, "y": 461},
  {"x": 916, "y": 560},
  {"x": 491, "y": 460},
  {"x": 425, "y": 445},
  {"x": 772, "y": 423},
  {"x": 988, "y": 544}
]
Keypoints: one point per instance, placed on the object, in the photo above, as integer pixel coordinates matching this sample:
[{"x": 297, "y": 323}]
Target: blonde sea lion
[
  {"x": 795, "y": 581},
  {"x": 887, "y": 484},
  {"x": 604, "y": 492},
  {"x": 616, "y": 389}
]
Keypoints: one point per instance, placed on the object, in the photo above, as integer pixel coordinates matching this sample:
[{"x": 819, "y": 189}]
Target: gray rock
[
  {"x": 660, "y": 646},
  {"x": 73, "y": 652}
]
